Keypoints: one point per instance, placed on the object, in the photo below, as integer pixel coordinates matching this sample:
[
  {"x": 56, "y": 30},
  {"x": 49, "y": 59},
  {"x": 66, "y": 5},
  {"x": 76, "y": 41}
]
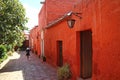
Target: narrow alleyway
[{"x": 19, "y": 68}]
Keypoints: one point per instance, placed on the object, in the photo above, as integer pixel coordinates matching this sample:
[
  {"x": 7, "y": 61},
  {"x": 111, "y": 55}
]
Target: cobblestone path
[{"x": 19, "y": 68}]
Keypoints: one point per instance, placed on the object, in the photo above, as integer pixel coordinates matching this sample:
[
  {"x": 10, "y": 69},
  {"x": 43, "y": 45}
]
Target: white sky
[
  {"x": 32, "y": 14},
  {"x": 32, "y": 9}
]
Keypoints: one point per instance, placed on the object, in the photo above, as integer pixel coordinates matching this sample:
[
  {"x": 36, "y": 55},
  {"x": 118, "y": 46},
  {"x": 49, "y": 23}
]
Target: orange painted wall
[
  {"x": 102, "y": 18},
  {"x": 35, "y": 40},
  {"x": 35, "y": 33},
  {"x": 106, "y": 56},
  {"x": 57, "y": 8},
  {"x": 42, "y": 17}
]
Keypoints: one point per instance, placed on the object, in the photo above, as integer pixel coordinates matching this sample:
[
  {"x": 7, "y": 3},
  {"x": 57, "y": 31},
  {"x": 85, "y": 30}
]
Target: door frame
[
  {"x": 82, "y": 35},
  {"x": 59, "y": 56}
]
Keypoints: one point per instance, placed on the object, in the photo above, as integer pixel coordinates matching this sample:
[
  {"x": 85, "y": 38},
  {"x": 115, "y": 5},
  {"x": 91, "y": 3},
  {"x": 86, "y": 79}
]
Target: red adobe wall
[
  {"x": 102, "y": 18},
  {"x": 33, "y": 39},
  {"x": 38, "y": 49},
  {"x": 57, "y": 8},
  {"x": 35, "y": 33},
  {"x": 42, "y": 17},
  {"x": 61, "y": 32},
  {"x": 30, "y": 39},
  {"x": 46, "y": 17},
  {"x": 107, "y": 62}
]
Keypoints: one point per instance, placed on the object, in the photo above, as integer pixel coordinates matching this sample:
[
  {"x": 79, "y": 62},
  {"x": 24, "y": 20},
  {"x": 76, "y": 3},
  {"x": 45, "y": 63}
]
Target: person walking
[{"x": 28, "y": 53}]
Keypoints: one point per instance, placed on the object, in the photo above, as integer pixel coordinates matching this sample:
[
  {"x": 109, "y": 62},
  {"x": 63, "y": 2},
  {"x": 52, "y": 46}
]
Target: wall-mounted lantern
[{"x": 71, "y": 21}]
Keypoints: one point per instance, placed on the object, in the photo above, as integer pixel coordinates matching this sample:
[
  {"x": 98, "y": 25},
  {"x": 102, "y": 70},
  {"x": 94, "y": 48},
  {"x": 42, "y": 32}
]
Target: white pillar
[{"x": 42, "y": 43}]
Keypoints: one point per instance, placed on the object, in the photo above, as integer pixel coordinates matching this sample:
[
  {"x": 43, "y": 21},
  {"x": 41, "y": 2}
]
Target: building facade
[{"x": 91, "y": 47}]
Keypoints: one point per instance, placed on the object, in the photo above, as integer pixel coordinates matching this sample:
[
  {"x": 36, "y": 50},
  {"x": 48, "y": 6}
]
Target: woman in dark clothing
[{"x": 28, "y": 52}]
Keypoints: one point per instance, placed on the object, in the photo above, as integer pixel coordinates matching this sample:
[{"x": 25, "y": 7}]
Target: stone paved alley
[{"x": 18, "y": 67}]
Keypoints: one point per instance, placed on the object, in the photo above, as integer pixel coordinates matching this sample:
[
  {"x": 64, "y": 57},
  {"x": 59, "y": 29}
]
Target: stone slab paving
[{"x": 19, "y": 68}]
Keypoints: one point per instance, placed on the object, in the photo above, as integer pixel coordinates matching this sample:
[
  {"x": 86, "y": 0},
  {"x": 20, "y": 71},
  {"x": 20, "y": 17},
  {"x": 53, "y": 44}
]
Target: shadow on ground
[{"x": 19, "y": 68}]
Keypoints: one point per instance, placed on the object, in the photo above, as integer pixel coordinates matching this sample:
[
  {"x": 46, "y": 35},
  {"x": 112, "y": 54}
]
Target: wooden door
[
  {"x": 59, "y": 52},
  {"x": 86, "y": 54}
]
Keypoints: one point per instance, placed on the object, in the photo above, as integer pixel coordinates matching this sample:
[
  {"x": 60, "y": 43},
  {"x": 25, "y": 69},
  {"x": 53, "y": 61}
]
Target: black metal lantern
[{"x": 71, "y": 23}]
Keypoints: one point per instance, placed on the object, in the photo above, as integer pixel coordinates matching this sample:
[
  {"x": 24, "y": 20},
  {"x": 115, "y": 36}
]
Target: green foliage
[
  {"x": 64, "y": 72},
  {"x": 3, "y": 58},
  {"x": 8, "y": 47},
  {"x": 2, "y": 51},
  {"x": 12, "y": 22}
]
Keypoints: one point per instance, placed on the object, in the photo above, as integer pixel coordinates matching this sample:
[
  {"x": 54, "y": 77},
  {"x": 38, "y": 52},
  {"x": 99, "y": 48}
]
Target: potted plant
[{"x": 64, "y": 72}]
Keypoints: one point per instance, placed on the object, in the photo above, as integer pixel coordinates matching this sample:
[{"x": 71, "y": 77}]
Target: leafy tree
[
  {"x": 12, "y": 22},
  {"x": 2, "y": 51}
]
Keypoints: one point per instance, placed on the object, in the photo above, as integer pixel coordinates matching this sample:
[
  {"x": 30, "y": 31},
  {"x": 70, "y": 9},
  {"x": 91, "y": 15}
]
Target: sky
[{"x": 32, "y": 9}]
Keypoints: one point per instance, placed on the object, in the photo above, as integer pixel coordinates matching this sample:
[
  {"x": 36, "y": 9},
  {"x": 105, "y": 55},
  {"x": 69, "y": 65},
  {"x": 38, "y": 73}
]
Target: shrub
[
  {"x": 8, "y": 47},
  {"x": 3, "y": 58},
  {"x": 2, "y": 51},
  {"x": 64, "y": 72}
]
